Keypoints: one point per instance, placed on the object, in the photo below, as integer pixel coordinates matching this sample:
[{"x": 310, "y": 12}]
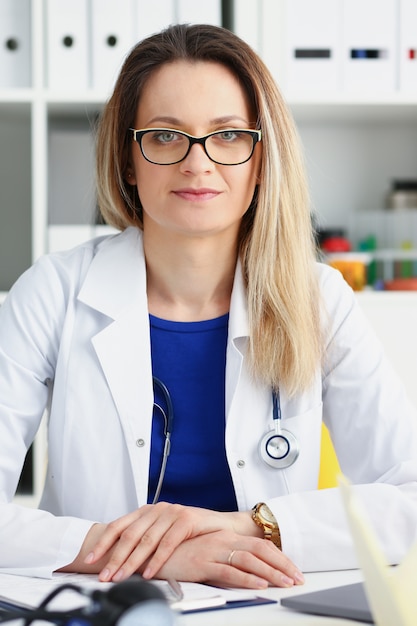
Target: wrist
[{"x": 242, "y": 524}]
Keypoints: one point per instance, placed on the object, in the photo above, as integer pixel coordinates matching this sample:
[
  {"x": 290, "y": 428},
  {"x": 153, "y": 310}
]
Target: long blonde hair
[{"x": 276, "y": 246}]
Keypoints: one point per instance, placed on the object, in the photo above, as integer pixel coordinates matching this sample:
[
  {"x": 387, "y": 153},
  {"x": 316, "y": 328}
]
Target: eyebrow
[{"x": 225, "y": 119}]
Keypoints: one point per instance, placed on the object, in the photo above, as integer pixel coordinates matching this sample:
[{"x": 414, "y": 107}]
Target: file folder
[
  {"x": 112, "y": 36},
  {"x": 15, "y": 44},
  {"x": 369, "y": 46},
  {"x": 68, "y": 59},
  {"x": 152, "y": 17},
  {"x": 408, "y": 46},
  {"x": 247, "y": 22},
  {"x": 313, "y": 46}
]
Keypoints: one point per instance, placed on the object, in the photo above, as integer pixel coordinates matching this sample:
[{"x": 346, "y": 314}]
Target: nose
[{"x": 197, "y": 160}]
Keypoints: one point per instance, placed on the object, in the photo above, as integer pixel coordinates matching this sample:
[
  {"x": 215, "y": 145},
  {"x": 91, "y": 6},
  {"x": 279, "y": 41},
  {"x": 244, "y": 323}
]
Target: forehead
[{"x": 181, "y": 89}]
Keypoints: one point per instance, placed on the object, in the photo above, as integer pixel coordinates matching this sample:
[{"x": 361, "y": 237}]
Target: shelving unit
[
  {"x": 354, "y": 145},
  {"x": 355, "y": 141}
]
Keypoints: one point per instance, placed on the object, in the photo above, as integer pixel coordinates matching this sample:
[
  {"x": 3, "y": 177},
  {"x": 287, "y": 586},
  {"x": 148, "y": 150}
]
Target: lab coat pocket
[{"x": 306, "y": 428}]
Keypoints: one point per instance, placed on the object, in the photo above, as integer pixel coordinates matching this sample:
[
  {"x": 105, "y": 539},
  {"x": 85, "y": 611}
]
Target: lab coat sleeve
[
  {"x": 32, "y": 542},
  {"x": 373, "y": 428}
]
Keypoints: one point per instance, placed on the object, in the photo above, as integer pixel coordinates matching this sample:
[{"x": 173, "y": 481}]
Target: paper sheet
[
  {"x": 391, "y": 590},
  {"x": 32, "y": 591}
]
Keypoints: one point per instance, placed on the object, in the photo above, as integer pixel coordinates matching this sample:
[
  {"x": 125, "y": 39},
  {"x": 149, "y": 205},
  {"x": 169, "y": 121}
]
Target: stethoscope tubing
[{"x": 278, "y": 448}]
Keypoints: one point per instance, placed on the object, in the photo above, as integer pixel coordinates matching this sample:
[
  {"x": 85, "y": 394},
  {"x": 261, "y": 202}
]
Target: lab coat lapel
[
  {"x": 116, "y": 287},
  {"x": 238, "y": 336}
]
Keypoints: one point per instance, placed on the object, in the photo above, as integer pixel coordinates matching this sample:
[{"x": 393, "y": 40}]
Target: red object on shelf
[
  {"x": 401, "y": 284},
  {"x": 336, "y": 244}
]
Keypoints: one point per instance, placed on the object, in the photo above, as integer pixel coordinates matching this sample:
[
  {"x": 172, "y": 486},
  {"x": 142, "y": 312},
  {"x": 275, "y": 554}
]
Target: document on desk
[{"x": 196, "y": 597}]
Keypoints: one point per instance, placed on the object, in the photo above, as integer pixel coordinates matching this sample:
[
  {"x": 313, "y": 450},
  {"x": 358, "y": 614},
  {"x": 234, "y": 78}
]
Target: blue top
[{"x": 190, "y": 359}]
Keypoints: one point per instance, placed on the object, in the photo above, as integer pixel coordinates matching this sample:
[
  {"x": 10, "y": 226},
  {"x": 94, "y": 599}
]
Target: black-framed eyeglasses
[{"x": 166, "y": 146}]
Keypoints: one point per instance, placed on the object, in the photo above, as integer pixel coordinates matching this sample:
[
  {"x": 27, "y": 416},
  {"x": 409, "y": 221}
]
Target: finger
[
  {"x": 110, "y": 536},
  {"x": 173, "y": 537},
  {"x": 268, "y": 553},
  {"x": 138, "y": 542},
  {"x": 174, "y": 524},
  {"x": 248, "y": 563},
  {"x": 228, "y": 576}
]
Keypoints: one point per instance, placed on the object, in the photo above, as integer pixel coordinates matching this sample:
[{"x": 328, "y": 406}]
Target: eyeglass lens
[{"x": 229, "y": 147}]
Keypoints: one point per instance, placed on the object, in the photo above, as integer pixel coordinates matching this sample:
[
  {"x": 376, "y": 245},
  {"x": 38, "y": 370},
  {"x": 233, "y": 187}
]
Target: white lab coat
[{"x": 77, "y": 321}]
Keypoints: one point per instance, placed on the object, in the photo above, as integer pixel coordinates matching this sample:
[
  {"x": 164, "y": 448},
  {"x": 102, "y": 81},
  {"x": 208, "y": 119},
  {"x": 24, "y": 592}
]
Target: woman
[{"x": 210, "y": 299}]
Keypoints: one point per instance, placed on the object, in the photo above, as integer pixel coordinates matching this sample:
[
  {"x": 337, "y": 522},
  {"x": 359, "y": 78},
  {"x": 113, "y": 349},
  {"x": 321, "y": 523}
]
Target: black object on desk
[{"x": 347, "y": 601}]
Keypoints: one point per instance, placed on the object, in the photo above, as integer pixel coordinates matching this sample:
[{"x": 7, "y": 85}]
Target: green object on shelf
[
  {"x": 406, "y": 267},
  {"x": 367, "y": 245}
]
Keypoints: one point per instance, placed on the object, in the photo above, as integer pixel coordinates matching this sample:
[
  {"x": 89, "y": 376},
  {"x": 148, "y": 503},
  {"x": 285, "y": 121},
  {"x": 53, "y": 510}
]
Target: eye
[
  {"x": 165, "y": 136},
  {"x": 229, "y": 135}
]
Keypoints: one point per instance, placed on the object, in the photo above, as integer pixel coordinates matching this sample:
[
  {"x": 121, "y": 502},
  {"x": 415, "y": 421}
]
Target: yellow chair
[{"x": 329, "y": 465}]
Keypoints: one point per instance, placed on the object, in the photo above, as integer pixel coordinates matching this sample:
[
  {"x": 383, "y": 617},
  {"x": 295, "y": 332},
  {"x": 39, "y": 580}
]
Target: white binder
[
  {"x": 247, "y": 22},
  {"x": 112, "y": 36},
  {"x": 192, "y": 12},
  {"x": 312, "y": 50},
  {"x": 408, "y": 46},
  {"x": 151, "y": 17},
  {"x": 68, "y": 61},
  {"x": 369, "y": 46},
  {"x": 15, "y": 44}
]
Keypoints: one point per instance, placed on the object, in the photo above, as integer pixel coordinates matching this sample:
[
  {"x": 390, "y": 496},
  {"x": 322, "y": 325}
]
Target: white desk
[
  {"x": 275, "y": 614},
  {"x": 32, "y": 590}
]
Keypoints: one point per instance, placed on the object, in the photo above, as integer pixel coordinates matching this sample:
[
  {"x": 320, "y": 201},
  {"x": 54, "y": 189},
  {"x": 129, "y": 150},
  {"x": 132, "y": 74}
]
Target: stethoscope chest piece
[{"x": 279, "y": 448}]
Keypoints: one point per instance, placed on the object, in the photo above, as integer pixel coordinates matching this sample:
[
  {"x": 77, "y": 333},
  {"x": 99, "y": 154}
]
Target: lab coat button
[
  {"x": 140, "y": 443},
  {"x": 240, "y": 463}
]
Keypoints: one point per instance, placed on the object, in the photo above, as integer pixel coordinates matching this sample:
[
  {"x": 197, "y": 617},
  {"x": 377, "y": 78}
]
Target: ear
[{"x": 130, "y": 177}]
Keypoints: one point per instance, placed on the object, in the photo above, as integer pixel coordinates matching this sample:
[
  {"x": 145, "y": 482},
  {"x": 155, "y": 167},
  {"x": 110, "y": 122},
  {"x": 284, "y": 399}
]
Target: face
[{"x": 195, "y": 197}]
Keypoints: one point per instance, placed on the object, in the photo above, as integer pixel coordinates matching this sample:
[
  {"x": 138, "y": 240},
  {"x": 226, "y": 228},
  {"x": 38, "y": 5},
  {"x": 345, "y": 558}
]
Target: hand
[
  {"x": 228, "y": 559},
  {"x": 151, "y": 534}
]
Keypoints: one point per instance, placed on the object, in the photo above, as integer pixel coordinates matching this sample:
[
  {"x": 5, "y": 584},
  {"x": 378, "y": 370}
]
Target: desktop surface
[
  {"x": 276, "y": 614},
  {"x": 31, "y": 591}
]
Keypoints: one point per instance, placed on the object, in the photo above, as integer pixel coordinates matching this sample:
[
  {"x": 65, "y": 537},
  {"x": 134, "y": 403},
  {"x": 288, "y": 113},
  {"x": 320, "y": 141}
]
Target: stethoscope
[
  {"x": 278, "y": 448},
  {"x": 168, "y": 416}
]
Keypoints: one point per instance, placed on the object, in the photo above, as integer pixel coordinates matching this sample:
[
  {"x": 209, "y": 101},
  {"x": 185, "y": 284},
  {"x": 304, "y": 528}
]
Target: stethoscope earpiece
[{"x": 279, "y": 447}]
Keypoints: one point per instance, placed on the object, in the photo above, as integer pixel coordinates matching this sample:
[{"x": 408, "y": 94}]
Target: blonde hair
[{"x": 276, "y": 247}]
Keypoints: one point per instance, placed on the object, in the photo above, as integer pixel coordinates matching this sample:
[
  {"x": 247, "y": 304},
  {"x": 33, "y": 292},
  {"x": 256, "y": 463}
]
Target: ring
[{"x": 229, "y": 560}]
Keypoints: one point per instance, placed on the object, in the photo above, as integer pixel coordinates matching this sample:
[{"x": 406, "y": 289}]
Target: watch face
[{"x": 265, "y": 512}]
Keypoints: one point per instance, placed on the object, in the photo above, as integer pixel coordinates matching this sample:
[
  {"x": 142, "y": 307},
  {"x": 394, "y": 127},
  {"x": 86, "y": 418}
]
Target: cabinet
[
  {"x": 355, "y": 143},
  {"x": 356, "y": 140}
]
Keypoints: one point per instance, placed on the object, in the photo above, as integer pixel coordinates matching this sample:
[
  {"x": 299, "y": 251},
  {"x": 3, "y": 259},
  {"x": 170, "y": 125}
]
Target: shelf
[
  {"x": 395, "y": 107},
  {"x": 16, "y": 96}
]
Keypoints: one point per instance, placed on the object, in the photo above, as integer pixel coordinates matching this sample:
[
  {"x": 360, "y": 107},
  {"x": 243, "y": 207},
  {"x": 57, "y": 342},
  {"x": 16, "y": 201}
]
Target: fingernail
[
  {"x": 299, "y": 578},
  {"x": 147, "y": 573},
  {"x": 89, "y": 558},
  {"x": 105, "y": 575},
  {"x": 261, "y": 583},
  {"x": 118, "y": 575},
  {"x": 288, "y": 582}
]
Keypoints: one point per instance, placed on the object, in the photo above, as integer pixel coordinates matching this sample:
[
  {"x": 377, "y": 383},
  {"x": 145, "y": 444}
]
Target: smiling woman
[{"x": 190, "y": 361}]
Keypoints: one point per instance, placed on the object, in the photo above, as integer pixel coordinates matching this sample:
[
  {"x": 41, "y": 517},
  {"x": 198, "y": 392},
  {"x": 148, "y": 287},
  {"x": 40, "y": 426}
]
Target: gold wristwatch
[{"x": 263, "y": 517}]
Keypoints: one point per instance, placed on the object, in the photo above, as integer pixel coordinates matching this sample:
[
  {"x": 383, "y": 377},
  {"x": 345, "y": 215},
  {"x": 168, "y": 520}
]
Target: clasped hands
[{"x": 187, "y": 543}]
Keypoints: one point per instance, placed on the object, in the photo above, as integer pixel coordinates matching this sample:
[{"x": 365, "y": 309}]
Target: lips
[{"x": 197, "y": 195}]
